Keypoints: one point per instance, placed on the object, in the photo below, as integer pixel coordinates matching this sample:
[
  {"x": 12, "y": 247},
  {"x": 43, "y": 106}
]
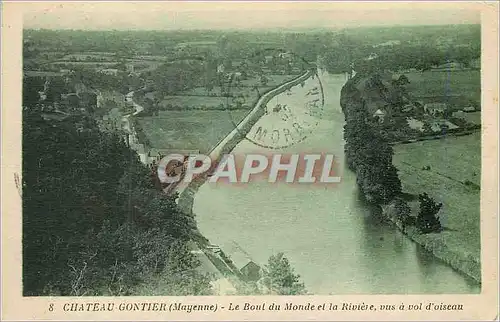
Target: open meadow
[
  {"x": 460, "y": 83},
  {"x": 454, "y": 179},
  {"x": 191, "y": 130}
]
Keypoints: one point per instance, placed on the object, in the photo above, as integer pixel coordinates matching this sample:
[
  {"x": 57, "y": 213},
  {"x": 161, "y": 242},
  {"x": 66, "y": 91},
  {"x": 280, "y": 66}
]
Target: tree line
[
  {"x": 369, "y": 154},
  {"x": 93, "y": 221}
]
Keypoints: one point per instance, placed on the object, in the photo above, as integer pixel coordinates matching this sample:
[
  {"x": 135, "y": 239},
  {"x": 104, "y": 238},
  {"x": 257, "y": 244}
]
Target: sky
[{"x": 168, "y": 15}]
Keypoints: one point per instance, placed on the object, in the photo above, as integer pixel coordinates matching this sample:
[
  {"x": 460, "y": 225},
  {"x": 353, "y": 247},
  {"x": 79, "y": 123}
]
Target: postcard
[{"x": 264, "y": 161}]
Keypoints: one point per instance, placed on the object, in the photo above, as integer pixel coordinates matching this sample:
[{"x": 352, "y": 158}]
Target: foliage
[
  {"x": 279, "y": 277},
  {"x": 403, "y": 212},
  {"x": 428, "y": 219},
  {"x": 93, "y": 223},
  {"x": 367, "y": 150}
]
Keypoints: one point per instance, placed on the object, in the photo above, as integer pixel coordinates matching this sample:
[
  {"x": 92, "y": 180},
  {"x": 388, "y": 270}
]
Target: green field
[
  {"x": 189, "y": 130},
  {"x": 453, "y": 161},
  {"x": 272, "y": 80},
  {"x": 466, "y": 83},
  {"x": 474, "y": 117},
  {"x": 193, "y": 102}
]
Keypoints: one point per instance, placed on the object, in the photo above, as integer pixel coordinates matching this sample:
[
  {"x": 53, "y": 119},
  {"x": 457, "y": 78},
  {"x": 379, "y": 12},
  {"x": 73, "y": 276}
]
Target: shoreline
[
  {"x": 229, "y": 142},
  {"x": 465, "y": 264}
]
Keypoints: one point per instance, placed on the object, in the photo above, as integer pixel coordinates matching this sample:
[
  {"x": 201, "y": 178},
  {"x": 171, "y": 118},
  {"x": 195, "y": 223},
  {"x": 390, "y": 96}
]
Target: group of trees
[
  {"x": 369, "y": 155},
  {"x": 367, "y": 150},
  {"x": 122, "y": 82},
  {"x": 421, "y": 57},
  {"x": 278, "y": 278},
  {"x": 93, "y": 221}
]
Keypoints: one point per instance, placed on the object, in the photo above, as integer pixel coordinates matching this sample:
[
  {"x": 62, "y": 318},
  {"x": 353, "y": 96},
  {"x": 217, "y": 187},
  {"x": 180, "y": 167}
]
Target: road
[{"x": 221, "y": 285}]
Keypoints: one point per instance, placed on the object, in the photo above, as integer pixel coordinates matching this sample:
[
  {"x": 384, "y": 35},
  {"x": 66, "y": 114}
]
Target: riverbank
[
  {"x": 226, "y": 145},
  {"x": 458, "y": 244},
  {"x": 463, "y": 262},
  {"x": 187, "y": 193}
]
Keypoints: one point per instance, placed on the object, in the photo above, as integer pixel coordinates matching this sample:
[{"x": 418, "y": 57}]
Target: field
[
  {"x": 454, "y": 178},
  {"x": 194, "y": 102},
  {"x": 466, "y": 83},
  {"x": 474, "y": 117},
  {"x": 197, "y": 98},
  {"x": 189, "y": 130},
  {"x": 272, "y": 80},
  {"x": 139, "y": 65}
]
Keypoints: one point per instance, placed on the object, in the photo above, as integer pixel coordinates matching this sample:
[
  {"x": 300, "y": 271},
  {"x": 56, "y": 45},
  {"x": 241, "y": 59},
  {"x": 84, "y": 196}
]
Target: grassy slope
[{"x": 452, "y": 160}]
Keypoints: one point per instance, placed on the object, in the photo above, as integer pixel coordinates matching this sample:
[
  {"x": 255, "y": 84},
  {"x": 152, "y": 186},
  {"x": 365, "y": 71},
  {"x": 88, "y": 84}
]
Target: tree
[
  {"x": 31, "y": 87},
  {"x": 264, "y": 80},
  {"x": 56, "y": 88},
  {"x": 279, "y": 277},
  {"x": 93, "y": 222},
  {"x": 427, "y": 219},
  {"x": 403, "y": 212}
]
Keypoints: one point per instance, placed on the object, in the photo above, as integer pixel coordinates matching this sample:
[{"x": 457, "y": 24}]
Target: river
[{"x": 332, "y": 239}]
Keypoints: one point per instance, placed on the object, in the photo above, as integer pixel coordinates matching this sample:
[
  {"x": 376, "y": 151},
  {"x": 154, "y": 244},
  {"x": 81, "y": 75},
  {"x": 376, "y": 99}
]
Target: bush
[{"x": 427, "y": 219}]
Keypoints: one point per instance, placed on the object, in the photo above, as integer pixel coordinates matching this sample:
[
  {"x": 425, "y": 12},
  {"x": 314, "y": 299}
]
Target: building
[
  {"x": 441, "y": 125},
  {"x": 469, "y": 109},
  {"x": 372, "y": 56},
  {"x": 459, "y": 115},
  {"x": 249, "y": 270},
  {"x": 435, "y": 108},
  {"x": 380, "y": 115},
  {"x": 109, "y": 71},
  {"x": 155, "y": 154},
  {"x": 220, "y": 69}
]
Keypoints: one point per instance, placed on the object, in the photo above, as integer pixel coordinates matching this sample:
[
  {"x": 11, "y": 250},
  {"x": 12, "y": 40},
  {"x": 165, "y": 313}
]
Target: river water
[{"x": 332, "y": 239}]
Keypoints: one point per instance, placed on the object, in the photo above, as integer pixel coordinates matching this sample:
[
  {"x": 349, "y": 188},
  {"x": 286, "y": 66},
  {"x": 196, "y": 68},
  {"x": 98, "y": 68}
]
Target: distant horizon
[
  {"x": 238, "y": 16},
  {"x": 263, "y": 29}
]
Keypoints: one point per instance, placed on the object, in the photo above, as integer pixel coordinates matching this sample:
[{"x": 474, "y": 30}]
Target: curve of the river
[{"x": 335, "y": 242}]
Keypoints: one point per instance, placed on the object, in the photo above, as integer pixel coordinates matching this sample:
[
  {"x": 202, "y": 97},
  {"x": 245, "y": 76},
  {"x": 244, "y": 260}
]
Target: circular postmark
[{"x": 275, "y": 98}]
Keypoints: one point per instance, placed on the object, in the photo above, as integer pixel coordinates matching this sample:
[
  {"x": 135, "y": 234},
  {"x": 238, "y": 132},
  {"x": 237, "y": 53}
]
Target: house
[
  {"x": 220, "y": 69},
  {"x": 435, "y": 108},
  {"x": 109, "y": 71},
  {"x": 469, "y": 108},
  {"x": 156, "y": 154},
  {"x": 371, "y": 56},
  {"x": 440, "y": 125},
  {"x": 246, "y": 267},
  {"x": 380, "y": 115},
  {"x": 459, "y": 115},
  {"x": 249, "y": 270}
]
